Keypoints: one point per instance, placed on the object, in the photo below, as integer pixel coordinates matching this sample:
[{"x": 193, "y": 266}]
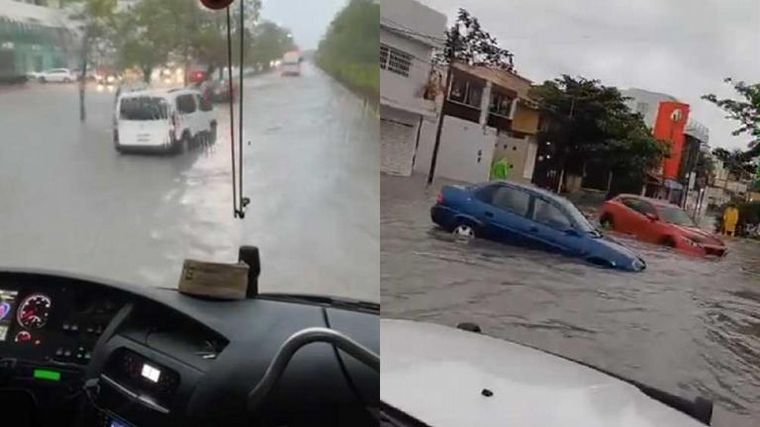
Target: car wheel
[
  {"x": 181, "y": 146},
  {"x": 41, "y": 80},
  {"x": 606, "y": 222},
  {"x": 66, "y": 80},
  {"x": 668, "y": 241},
  {"x": 464, "y": 231}
]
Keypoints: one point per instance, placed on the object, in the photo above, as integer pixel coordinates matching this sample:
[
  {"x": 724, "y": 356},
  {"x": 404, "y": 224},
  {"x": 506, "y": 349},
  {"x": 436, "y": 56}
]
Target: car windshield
[
  {"x": 675, "y": 215},
  {"x": 581, "y": 222},
  {"x": 143, "y": 108},
  {"x": 90, "y": 186}
]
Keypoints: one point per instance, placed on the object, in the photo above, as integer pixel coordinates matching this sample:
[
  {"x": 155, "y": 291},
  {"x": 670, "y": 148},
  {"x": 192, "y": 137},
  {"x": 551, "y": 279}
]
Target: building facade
[
  {"x": 409, "y": 32},
  {"x": 488, "y": 116},
  {"x": 34, "y": 35},
  {"x": 670, "y": 120}
]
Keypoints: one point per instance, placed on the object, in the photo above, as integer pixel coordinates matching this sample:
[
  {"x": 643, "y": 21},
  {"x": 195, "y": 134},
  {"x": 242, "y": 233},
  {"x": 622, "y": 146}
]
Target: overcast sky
[
  {"x": 680, "y": 47},
  {"x": 307, "y": 19}
]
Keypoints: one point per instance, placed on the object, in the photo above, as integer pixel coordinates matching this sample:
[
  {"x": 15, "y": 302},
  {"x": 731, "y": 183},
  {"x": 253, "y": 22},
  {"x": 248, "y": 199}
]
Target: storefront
[{"x": 33, "y": 38}]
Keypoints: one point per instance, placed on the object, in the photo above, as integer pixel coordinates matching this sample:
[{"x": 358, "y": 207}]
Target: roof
[
  {"x": 530, "y": 188},
  {"x": 503, "y": 78},
  {"x": 442, "y": 380},
  {"x": 658, "y": 202},
  {"x": 415, "y": 21},
  {"x": 30, "y": 14},
  {"x": 160, "y": 92}
]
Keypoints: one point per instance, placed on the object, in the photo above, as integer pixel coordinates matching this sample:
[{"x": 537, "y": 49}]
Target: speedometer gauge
[{"x": 33, "y": 311}]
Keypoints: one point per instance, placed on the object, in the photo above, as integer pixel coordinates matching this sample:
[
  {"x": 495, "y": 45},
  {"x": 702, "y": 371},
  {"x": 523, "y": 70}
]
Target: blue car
[{"x": 528, "y": 216}]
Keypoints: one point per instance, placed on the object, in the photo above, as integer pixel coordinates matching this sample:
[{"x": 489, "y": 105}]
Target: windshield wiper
[{"x": 320, "y": 299}]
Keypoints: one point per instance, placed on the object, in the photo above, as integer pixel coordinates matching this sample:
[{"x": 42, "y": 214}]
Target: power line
[{"x": 407, "y": 30}]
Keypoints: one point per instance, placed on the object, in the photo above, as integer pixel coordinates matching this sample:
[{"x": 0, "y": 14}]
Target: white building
[{"x": 409, "y": 32}]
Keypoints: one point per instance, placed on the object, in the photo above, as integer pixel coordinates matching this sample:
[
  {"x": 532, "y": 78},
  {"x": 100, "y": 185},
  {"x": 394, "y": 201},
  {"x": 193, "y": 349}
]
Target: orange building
[{"x": 669, "y": 126}]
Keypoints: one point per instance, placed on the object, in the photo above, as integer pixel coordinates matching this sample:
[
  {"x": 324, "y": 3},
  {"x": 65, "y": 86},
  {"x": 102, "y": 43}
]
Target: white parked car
[
  {"x": 60, "y": 75},
  {"x": 163, "y": 120}
]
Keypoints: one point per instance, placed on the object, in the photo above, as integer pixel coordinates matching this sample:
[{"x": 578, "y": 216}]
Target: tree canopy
[
  {"x": 468, "y": 43},
  {"x": 353, "y": 35},
  {"x": 348, "y": 50},
  {"x": 588, "y": 120},
  {"x": 269, "y": 43},
  {"x": 746, "y": 112},
  {"x": 737, "y": 162},
  {"x": 154, "y": 32}
]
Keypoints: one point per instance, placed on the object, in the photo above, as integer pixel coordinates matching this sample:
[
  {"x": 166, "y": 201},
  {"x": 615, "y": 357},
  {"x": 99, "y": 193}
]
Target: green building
[{"x": 34, "y": 36}]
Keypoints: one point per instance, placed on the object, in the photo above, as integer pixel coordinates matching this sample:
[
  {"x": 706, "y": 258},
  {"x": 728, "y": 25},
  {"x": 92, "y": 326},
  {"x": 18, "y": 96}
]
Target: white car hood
[{"x": 437, "y": 374}]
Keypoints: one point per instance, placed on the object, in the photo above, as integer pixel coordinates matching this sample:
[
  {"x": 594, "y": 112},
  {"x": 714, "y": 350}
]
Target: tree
[
  {"x": 737, "y": 162},
  {"x": 746, "y": 112},
  {"x": 467, "y": 43},
  {"x": 209, "y": 41},
  {"x": 348, "y": 50},
  {"x": 154, "y": 32},
  {"x": 590, "y": 123},
  {"x": 269, "y": 42},
  {"x": 148, "y": 34},
  {"x": 95, "y": 18}
]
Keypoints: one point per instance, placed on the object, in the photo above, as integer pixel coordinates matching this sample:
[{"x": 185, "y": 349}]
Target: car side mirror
[{"x": 652, "y": 217}]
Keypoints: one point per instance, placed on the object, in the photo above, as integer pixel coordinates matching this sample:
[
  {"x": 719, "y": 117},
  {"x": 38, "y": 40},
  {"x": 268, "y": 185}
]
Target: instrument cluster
[{"x": 59, "y": 324}]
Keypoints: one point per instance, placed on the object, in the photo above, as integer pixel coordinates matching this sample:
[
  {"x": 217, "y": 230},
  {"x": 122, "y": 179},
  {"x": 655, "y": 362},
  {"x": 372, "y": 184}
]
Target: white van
[
  {"x": 291, "y": 64},
  {"x": 163, "y": 120}
]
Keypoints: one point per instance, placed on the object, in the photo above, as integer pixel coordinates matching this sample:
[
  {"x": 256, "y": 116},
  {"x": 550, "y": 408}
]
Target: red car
[{"x": 657, "y": 221}]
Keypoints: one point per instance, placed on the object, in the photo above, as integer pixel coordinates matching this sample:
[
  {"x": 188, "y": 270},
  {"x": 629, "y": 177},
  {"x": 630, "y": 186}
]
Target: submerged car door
[
  {"x": 636, "y": 222},
  {"x": 553, "y": 230},
  {"x": 504, "y": 213}
]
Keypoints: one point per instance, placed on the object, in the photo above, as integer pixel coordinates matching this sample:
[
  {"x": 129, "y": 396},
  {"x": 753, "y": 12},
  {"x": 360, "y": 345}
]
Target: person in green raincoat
[{"x": 500, "y": 170}]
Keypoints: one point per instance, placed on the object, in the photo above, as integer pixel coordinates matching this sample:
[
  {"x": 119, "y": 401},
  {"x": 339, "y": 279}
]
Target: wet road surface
[
  {"x": 69, "y": 201},
  {"x": 686, "y": 325}
]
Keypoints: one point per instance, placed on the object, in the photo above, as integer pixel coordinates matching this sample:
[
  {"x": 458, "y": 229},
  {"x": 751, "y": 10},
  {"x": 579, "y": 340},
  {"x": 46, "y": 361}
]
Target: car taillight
[{"x": 439, "y": 200}]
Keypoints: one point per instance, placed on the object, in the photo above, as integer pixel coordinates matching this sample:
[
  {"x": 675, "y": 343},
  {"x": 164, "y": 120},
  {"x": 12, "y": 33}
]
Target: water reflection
[{"x": 688, "y": 325}]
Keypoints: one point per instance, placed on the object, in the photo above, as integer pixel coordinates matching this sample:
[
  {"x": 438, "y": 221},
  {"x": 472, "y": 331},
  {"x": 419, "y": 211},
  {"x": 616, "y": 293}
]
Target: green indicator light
[{"x": 44, "y": 374}]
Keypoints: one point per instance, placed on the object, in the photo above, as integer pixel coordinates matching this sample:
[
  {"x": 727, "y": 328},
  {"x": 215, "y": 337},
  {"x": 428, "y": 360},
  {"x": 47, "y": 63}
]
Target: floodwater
[
  {"x": 70, "y": 202},
  {"x": 689, "y": 326}
]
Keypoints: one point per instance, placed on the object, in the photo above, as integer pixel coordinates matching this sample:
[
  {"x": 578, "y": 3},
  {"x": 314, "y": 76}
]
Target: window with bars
[{"x": 395, "y": 60}]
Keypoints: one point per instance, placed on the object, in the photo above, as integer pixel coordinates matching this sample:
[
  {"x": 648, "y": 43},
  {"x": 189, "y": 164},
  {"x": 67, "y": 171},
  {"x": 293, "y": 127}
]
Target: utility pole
[
  {"x": 442, "y": 114},
  {"x": 83, "y": 79}
]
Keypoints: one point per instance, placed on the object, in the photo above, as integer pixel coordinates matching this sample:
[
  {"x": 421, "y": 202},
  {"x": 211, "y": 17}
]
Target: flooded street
[
  {"x": 689, "y": 326},
  {"x": 70, "y": 202}
]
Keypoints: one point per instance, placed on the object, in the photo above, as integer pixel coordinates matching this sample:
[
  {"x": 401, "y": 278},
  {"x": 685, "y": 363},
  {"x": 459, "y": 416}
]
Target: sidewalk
[{"x": 4, "y": 88}]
